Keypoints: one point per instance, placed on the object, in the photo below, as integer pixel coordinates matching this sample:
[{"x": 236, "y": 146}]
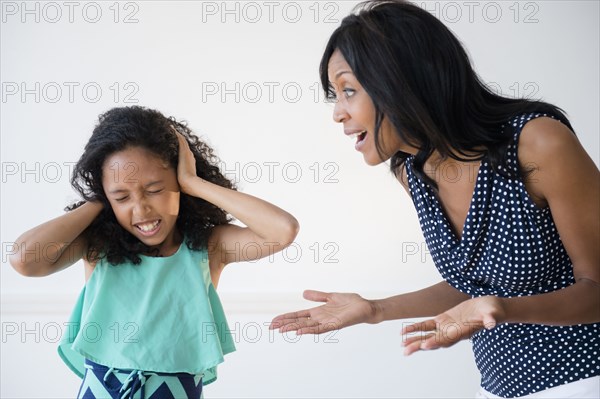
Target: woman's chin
[{"x": 372, "y": 160}]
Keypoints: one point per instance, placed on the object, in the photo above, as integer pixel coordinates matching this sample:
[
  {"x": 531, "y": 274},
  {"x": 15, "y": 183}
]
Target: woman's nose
[{"x": 339, "y": 112}]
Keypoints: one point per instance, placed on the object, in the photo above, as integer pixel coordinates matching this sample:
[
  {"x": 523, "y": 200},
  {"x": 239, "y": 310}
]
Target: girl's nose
[{"x": 141, "y": 208}]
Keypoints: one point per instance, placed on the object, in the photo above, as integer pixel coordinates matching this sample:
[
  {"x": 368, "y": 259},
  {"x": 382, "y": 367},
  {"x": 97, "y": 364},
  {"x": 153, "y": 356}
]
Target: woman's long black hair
[
  {"x": 418, "y": 74},
  {"x": 135, "y": 126}
]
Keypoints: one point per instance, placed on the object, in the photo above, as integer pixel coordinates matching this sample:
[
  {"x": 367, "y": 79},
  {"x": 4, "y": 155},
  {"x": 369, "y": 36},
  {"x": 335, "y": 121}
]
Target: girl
[
  {"x": 154, "y": 237},
  {"x": 516, "y": 245}
]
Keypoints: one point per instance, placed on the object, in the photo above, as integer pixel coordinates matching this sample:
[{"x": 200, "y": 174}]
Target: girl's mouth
[{"x": 148, "y": 228}]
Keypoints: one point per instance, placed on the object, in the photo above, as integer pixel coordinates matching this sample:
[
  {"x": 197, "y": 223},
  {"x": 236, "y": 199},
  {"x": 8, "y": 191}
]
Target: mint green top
[{"x": 162, "y": 315}]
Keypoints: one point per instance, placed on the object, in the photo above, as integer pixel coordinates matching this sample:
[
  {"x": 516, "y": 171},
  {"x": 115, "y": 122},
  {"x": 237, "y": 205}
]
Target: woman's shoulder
[
  {"x": 554, "y": 153},
  {"x": 538, "y": 136},
  {"x": 546, "y": 140}
]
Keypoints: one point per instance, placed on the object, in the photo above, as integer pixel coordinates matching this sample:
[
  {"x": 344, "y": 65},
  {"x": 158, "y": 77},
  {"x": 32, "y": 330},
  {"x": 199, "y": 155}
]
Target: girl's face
[
  {"x": 354, "y": 108},
  {"x": 143, "y": 192}
]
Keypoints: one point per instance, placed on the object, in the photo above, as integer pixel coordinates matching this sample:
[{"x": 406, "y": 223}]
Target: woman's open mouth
[{"x": 360, "y": 139}]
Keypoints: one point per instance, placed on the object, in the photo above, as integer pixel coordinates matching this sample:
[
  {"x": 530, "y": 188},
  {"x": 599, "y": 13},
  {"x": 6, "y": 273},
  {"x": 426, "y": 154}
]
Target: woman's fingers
[
  {"x": 318, "y": 328},
  {"x": 414, "y": 344},
  {"x": 293, "y": 315},
  {"x": 427, "y": 325},
  {"x": 291, "y": 321},
  {"x": 489, "y": 322},
  {"x": 300, "y": 324},
  {"x": 420, "y": 342},
  {"x": 300, "y": 319},
  {"x": 316, "y": 296},
  {"x": 407, "y": 341},
  {"x": 289, "y": 324},
  {"x": 307, "y": 325}
]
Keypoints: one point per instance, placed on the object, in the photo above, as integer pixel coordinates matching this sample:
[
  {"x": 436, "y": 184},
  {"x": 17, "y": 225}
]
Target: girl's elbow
[
  {"x": 291, "y": 232},
  {"x": 19, "y": 266},
  {"x": 24, "y": 268},
  {"x": 16, "y": 258}
]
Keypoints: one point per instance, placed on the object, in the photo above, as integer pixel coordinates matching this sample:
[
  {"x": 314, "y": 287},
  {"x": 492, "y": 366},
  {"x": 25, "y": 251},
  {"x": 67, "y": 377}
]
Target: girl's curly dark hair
[{"x": 136, "y": 126}]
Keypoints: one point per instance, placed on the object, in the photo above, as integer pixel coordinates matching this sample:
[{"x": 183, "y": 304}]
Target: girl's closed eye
[{"x": 149, "y": 192}]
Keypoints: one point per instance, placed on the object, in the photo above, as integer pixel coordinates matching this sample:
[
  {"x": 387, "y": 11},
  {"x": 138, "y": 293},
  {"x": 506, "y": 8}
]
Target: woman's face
[
  {"x": 143, "y": 192},
  {"x": 354, "y": 108}
]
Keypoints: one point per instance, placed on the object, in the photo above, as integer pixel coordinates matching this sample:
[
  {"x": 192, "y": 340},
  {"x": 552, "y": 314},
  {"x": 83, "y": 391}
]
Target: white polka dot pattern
[{"x": 509, "y": 247}]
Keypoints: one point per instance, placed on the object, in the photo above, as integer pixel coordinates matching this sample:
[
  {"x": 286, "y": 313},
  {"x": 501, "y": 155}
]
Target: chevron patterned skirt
[{"x": 101, "y": 382}]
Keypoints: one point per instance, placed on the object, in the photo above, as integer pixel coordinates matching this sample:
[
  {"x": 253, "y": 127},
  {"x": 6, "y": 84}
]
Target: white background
[{"x": 214, "y": 64}]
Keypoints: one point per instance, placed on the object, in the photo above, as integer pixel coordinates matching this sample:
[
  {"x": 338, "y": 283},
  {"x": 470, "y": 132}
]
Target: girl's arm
[
  {"x": 54, "y": 245},
  {"x": 270, "y": 229},
  {"x": 569, "y": 181},
  {"x": 344, "y": 310}
]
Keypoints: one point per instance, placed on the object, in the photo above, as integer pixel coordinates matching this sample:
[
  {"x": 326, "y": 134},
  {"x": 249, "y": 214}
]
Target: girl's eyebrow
[
  {"x": 153, "y": 183},
  {"x": 122, "y": 190}
]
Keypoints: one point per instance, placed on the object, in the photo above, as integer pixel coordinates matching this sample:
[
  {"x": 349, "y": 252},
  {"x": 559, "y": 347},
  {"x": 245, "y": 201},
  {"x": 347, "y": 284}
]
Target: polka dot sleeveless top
[{"x": 509, "y": 247}]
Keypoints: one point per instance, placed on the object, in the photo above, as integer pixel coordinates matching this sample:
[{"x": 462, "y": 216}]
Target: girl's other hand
[{"x": 186, "y": 168}]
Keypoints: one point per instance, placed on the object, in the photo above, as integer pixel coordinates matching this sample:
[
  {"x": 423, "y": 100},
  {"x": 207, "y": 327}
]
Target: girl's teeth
[{"x": 148, "y": 226}]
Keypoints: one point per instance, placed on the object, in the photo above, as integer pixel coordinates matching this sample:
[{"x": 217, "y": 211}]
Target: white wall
[{"x": 359, "y": 229}]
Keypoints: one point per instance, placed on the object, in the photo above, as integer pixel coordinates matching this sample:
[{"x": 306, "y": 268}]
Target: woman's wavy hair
[
  {"x": 418, "y": 74},
  {"x": 135, "y": 126}
]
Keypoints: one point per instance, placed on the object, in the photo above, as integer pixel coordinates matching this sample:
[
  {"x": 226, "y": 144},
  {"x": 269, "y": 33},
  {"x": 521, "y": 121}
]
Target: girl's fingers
[{"x": 180, "y": 138}]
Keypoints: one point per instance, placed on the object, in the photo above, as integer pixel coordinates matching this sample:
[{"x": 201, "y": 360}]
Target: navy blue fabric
[
  {"x": 107, "y": 385},
  {"x": 509, "y": 247}
]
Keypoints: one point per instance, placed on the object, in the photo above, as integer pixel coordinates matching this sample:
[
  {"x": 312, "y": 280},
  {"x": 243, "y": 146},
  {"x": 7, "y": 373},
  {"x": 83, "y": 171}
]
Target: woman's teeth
[
  {"x": 355, "y": 135},
  {"x": 360, "y": 139}
]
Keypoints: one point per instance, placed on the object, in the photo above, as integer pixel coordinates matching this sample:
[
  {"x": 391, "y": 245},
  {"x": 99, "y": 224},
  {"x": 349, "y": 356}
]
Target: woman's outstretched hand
[
  {"x": 454, "y": 325},
  {"x": 339, "y": 311}
]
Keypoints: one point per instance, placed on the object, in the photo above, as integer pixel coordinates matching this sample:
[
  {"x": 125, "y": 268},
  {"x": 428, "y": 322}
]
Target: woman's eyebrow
[{"x": 340, "y": 73}]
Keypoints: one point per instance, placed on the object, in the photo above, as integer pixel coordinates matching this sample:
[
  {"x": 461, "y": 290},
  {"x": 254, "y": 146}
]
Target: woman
[{"x": 515, "y": 236}]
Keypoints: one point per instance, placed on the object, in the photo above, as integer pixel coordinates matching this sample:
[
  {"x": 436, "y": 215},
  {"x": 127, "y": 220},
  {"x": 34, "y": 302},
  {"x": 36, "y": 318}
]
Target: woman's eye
[
  {"x": 155, "y": 192},
  {"x": 349, "y": 92},
  {"x": 120, "y": 199},
  {"x": 330, "y": 96}
]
